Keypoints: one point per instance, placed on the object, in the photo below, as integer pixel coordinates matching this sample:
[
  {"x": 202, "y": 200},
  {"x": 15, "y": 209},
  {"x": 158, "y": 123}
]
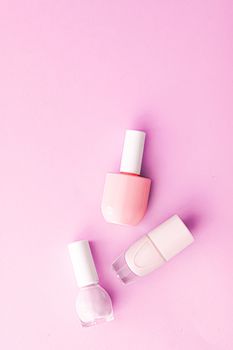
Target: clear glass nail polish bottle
[{"x": 93, "y": 304}]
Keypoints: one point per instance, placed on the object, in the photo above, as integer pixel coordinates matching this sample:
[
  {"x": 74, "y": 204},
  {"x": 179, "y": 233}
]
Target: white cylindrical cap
[
  {"x": 131, "y": 159},
  {"x": 83, "y": 263},
  {"x": 171, "y": 237}
]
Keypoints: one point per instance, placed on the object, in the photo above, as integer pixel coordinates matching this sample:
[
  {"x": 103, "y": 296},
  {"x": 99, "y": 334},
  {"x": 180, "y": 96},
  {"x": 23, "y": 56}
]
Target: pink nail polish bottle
[
  {"x": 93, "y": 304},
  {"x": 126, "y": 194}
]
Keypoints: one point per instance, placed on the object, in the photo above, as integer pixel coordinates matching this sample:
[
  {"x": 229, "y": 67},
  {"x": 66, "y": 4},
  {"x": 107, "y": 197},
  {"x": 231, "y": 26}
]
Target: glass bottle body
[{"x": 93, "y": 305}]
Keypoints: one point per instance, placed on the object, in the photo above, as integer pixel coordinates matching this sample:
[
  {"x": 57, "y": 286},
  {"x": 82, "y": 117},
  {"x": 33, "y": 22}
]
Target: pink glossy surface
[
  {"x": 73, "y": 76},
  {"x": 125, "y": 198}
]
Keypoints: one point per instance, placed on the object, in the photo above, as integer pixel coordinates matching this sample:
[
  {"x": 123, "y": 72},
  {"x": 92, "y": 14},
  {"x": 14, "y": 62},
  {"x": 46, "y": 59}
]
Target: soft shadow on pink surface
[
  {"x": 195, "y": 213},
  {"x": 193, "y": 222}
]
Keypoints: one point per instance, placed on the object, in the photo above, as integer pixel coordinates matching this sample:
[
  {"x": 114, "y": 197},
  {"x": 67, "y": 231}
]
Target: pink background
[{"x": 73, "y": 76}]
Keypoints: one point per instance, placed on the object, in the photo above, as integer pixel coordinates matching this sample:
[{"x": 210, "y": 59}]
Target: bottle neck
[
  {"x": 90, "y": 285},
  {"x": 132, "y": 174}
]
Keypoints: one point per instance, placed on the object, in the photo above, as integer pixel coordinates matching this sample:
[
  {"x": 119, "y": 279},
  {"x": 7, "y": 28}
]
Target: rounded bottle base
[
  {"x": 93, "y": 306},
  {"x": 97, "y": 321}
]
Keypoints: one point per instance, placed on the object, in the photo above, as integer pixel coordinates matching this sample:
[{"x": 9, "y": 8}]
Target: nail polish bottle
[
  {"x": 126, "y": 194},
  {"x": 153, "y": 250},
  {"x": 93, "y": 304}
]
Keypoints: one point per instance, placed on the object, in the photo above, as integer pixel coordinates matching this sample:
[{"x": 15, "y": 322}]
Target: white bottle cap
[
  {"x": 83, "y": 263},
  {"x": 171, "y": 237},
  {"x": 131, "y": 159}
]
